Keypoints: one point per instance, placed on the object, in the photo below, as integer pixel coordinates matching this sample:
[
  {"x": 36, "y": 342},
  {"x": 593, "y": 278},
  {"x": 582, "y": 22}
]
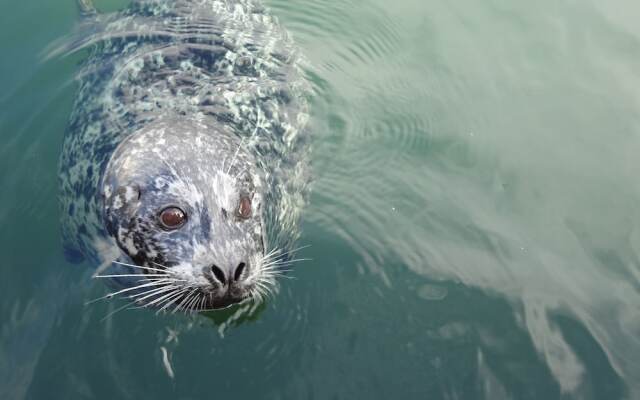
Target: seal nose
[
  {"x": 239, "y": 270},
  {"x": 236, "y": 275},
  {"x": 219, "y": 274}
]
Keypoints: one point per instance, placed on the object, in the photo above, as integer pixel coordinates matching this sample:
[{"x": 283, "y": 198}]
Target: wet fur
[{"x": 222, "y": 67}]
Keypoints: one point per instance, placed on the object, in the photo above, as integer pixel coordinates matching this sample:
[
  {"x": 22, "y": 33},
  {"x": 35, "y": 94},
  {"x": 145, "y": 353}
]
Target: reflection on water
[
  {"x": 475, "y": 227},
  {"x": 494, "y": 145}
]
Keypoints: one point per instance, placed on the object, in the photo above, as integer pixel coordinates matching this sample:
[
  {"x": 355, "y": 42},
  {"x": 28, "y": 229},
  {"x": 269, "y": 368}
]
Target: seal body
[{"x": 183, "y": 172}]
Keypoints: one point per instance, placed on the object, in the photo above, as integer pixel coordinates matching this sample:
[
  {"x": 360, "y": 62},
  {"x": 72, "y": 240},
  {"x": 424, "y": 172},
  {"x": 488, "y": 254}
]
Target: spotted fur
[{"x": 192, "y": 103}]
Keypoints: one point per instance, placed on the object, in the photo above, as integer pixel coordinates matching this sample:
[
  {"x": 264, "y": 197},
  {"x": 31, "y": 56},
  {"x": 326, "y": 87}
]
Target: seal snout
[
  {"x": 231, "y": 277},
  {"x": 228, "y": 286}
]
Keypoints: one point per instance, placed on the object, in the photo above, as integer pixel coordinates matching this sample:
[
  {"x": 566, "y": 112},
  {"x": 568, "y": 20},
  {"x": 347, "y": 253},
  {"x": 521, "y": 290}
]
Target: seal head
[{"x": 183, "y": 202}]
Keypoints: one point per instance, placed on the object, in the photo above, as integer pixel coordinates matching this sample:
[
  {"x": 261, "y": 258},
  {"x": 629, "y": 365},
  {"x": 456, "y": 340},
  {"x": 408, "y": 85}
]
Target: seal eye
[
  {"x": 172, "y": 218},
  {"x": 244, "y": 210}
]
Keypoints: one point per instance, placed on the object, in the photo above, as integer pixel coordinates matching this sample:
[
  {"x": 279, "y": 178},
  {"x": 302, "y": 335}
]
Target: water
[{"x": 474, "y": 225}]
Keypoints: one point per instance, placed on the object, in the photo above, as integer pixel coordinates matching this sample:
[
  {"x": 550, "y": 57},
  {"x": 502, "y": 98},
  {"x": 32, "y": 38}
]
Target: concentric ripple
[
  {"x": 445, "y": 144},
  {"x": 474, "y": 225}
]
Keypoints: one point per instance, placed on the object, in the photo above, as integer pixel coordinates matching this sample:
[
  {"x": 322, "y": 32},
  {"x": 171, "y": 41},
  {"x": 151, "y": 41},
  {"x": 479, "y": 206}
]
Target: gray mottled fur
[{"x": 223, "y": 68}]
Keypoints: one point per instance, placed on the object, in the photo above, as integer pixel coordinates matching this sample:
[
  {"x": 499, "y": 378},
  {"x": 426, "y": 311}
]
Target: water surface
[{"x": 474, "y": 224}]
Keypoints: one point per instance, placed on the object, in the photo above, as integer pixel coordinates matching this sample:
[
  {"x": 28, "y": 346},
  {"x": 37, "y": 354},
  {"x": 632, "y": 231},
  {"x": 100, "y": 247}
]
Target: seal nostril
[
  {"x": 217, "y": 272},
  {"x": 239, "y": 270}
]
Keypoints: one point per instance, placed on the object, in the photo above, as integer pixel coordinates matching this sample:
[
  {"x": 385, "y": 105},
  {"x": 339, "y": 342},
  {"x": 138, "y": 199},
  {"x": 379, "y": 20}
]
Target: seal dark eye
[
  {"x": 244, "y": 210},
  {"x": 172, "y": 218}
]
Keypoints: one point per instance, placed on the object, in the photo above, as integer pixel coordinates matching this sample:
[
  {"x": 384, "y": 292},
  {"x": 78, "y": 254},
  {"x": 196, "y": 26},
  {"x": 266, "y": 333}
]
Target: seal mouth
[
  {"x": 208, "y": 302},
  {"x": 161, "y": 286}
]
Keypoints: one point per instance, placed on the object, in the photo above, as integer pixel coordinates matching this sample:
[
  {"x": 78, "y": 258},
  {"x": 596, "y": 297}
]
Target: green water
[{"x": 474, "y": 224}]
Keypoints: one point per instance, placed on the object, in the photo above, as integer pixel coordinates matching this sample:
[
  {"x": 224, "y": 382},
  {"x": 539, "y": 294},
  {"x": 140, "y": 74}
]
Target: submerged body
[{"x": 183, "y": 171}]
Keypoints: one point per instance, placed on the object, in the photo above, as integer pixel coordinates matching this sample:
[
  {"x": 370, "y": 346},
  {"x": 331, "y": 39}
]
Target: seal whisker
[
  {"x": 177, "y": 295},
  {"x": 260, "y": 294},
  {"x": 279, "y": 266},
  {"x": 284, "y": 263},
  {"x": 263, "y": 290},
  {"x": 140, "y": 267},
  {"x": 166, "y": 279},
  {"x": 274, "y": 273},
  {"x": 128, "y": 305},
  {"x": 193, "y": 296},
  {"x": 294, "y": 260},
  {"x": 268, "y": 268},
  {"x": 189, "y": 306},
  {"x": 148, "y": 293},
  {"x": 262, "y": 287},
  {"x": 118, "y": 310},
  {"x": 203, "y": 304},
  {"x": 282, "y": 275},
  {"x": 164, "y": 267},
  {"x": 255, "y": 296},
  {"x": 271, "y": 283},
  {"x": 193, "y": 306},
  {"x": 292, "y": 251},
  {"x": 160, "y": 300},
  {"x": 183, "y": 303},
  {"x": 154, "y": 292},
  {"x": 275, "y": 250},
  {"x": 275, "y": 270},
  {"x": 281, "y": 257},
  {"x": 196, "y": 306},
  {"x": 199, "y": 305},
  {"x": 268, "y": 260},
  {"x": 254, "y": 275},
  {"x": 129, "y": 275},
  {"x": 157, "y": 292},
  {"x": 112, "y": 294},
  {"x": 233, "y": 160},
  {"x": 172, "y": 299},
  {"x": 276, "y": 260},
  {"x": 173, "y": 170},
  {"x": 272, "y": 253}
]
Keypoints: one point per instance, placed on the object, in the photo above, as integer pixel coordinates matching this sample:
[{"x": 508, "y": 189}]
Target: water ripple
[{"x": 445, "y": 167}]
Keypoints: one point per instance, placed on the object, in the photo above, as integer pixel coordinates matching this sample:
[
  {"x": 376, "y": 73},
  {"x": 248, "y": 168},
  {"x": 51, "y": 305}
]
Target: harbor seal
[{"x": 184, "y": 168}]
